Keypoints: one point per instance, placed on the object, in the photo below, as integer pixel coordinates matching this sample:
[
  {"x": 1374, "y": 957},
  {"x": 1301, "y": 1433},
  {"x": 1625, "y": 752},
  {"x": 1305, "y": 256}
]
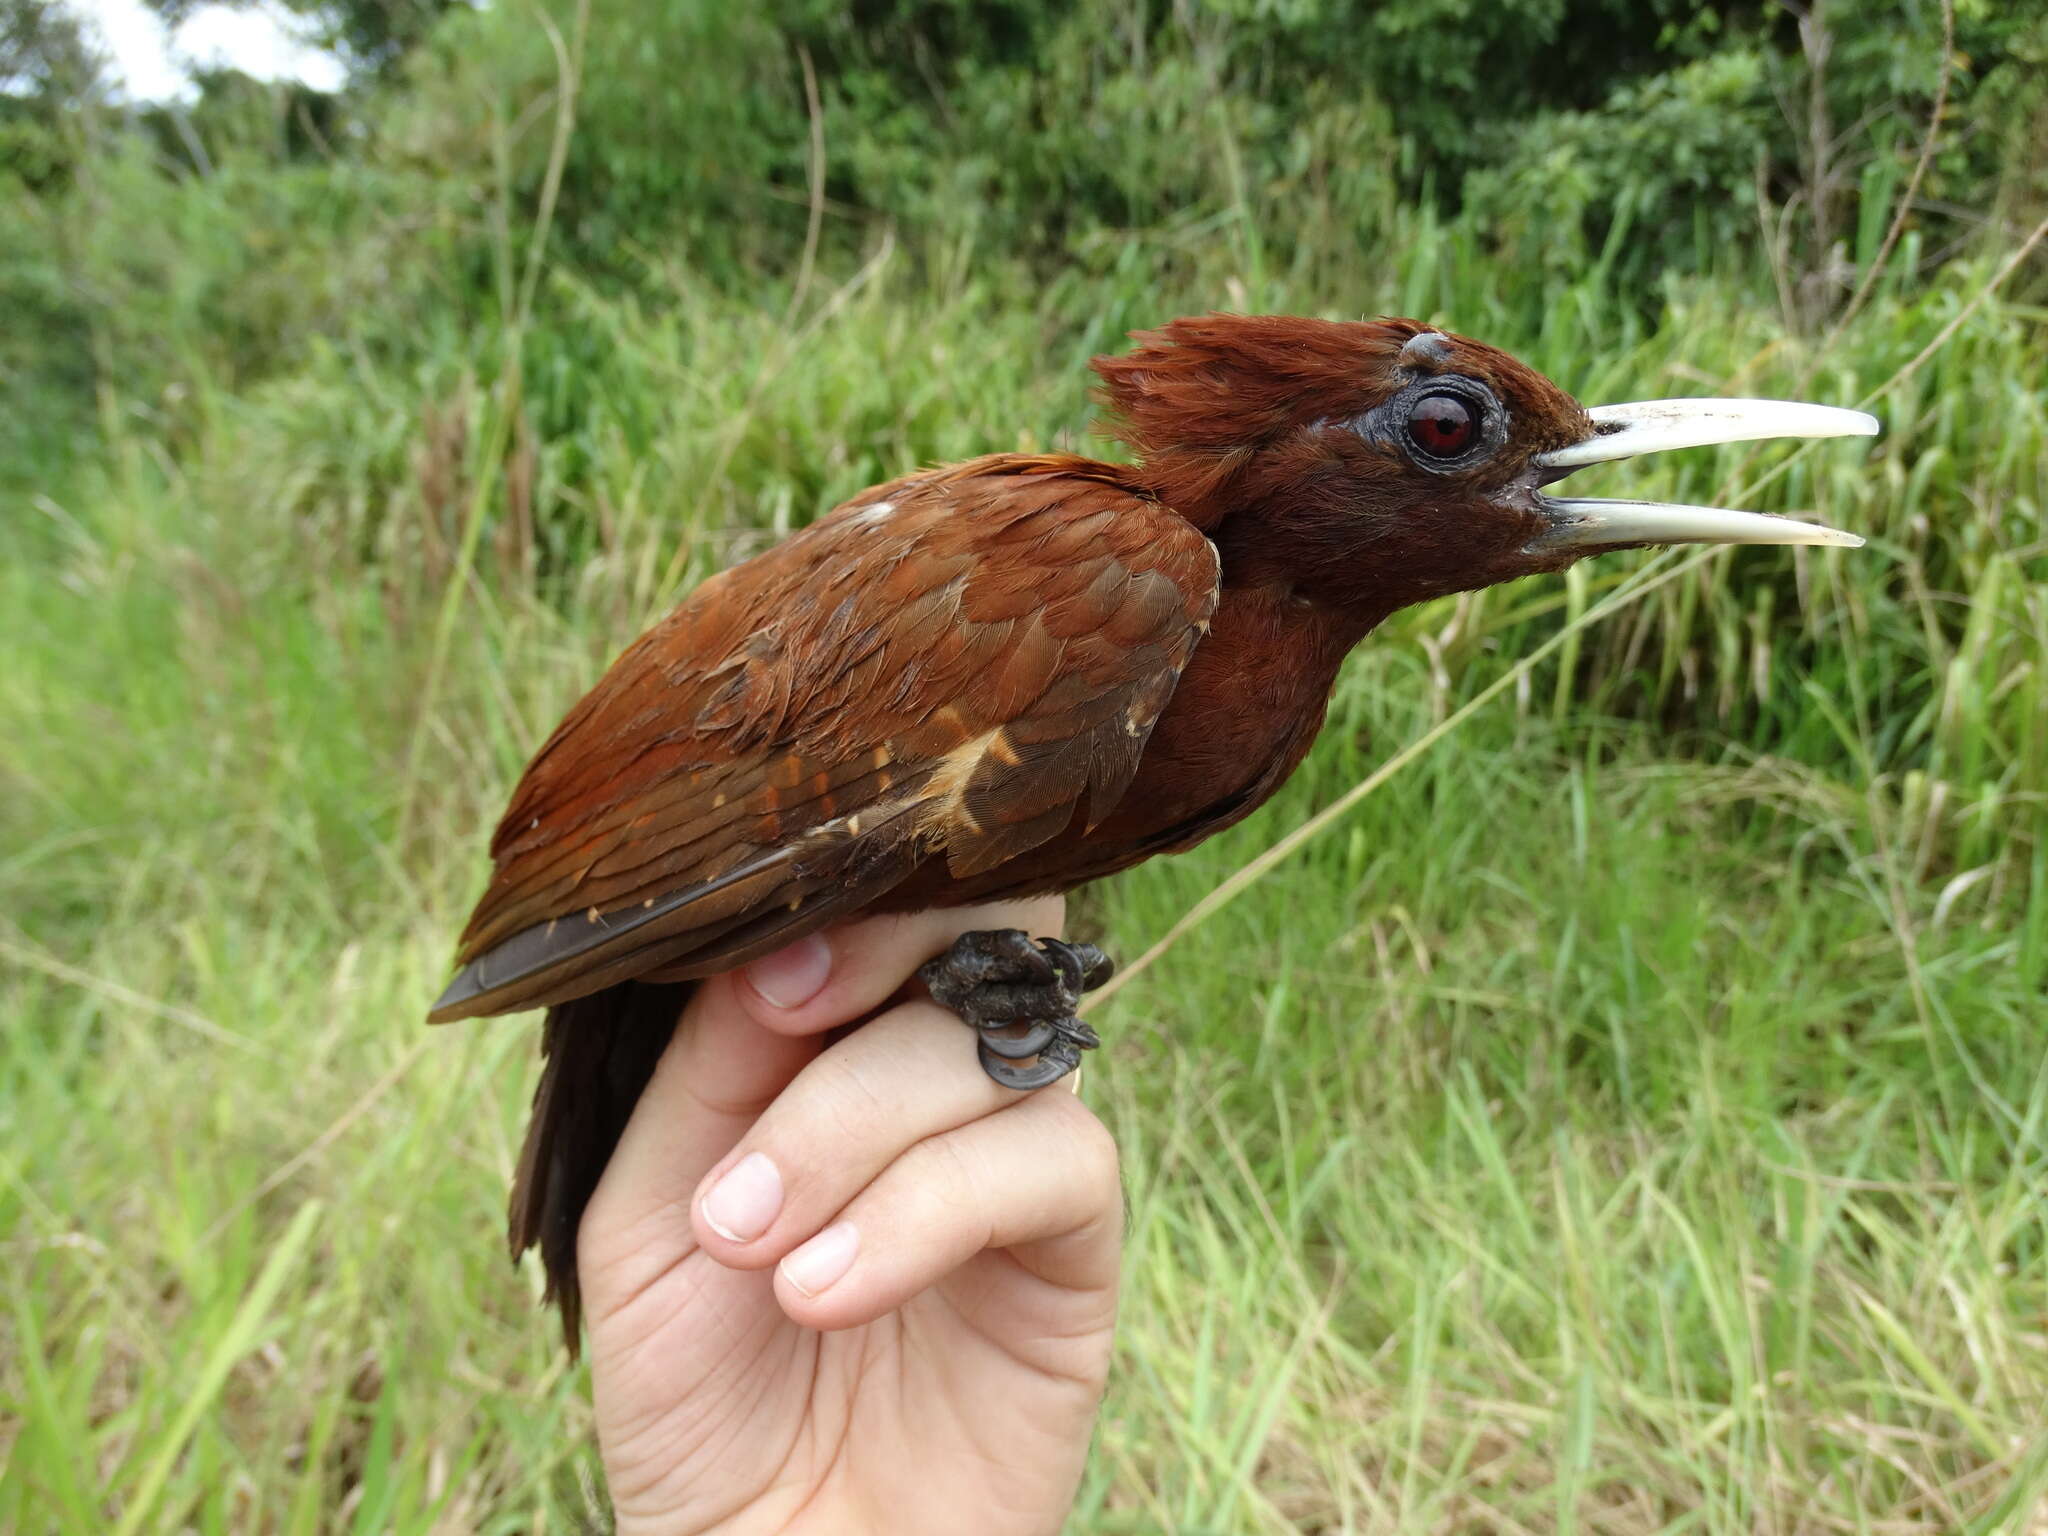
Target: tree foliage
[
  {"x": 1048, "y": 129},
  {"x": 1657, "y": 137}
]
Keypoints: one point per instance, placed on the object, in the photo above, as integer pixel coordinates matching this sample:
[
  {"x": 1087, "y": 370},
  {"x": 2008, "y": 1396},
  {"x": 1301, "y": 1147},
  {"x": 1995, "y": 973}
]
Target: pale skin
[{"x": 896, "y": 1314}]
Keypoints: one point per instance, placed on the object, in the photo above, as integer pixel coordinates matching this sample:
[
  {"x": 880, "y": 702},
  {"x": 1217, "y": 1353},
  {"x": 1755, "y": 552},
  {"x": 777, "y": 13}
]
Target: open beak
[{"x": 1652, "y": 426}]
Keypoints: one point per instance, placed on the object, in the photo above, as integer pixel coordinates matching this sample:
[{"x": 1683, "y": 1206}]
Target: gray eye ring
[{"x": 1388, "y": 425}]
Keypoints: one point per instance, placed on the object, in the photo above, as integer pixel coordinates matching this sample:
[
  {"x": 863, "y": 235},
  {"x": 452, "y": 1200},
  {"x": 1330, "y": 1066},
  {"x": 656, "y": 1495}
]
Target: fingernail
[
  {"x": 743, "y": 1204},
  {"x": 821, "y": 1261},
  {"x": 791, "y": 977}
]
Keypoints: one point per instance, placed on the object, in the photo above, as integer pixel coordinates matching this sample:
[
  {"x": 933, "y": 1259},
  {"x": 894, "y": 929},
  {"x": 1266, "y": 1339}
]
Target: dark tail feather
[{"x": 600, "y": 1052}]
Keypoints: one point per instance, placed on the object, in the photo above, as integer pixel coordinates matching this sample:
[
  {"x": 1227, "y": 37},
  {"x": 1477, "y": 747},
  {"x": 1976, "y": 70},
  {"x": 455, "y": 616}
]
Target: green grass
[{"x": 1632, "y": 1118}]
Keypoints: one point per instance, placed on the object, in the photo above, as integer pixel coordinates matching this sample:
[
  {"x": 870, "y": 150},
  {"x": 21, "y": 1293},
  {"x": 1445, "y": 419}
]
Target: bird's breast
[{"x": 1243, "y": 715}]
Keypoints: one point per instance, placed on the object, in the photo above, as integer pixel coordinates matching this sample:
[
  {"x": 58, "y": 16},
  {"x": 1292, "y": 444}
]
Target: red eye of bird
[{"x": 1441, "y": 426}]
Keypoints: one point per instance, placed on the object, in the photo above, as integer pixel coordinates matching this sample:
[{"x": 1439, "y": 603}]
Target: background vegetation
[{"x": 1632, "y": 1117}]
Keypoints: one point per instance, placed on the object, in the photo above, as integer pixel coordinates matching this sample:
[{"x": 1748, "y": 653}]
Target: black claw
[
  {"x": 1053, "y": 1064},
  {"x": 1001, "y": 978},
  {"x": 1018, "y": 1047}
]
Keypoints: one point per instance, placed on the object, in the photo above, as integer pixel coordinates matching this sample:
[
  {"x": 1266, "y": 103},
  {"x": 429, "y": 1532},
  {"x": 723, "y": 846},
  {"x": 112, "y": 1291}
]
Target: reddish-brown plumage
[
  {"x": 1004, "y": 677},
  {"x": 950, "y": 665}
]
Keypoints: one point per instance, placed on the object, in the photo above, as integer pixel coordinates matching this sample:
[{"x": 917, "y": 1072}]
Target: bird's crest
[{"x": 1197, "y": 398}]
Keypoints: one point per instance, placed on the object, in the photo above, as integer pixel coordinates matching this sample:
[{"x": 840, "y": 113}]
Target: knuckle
[
  {"x": 947, "y": 1177},
  {"x": 938, "y": 1165},
  {"x": 1098, "y": 1165},
  {"x": 817, "y": 1130},
  {"x": 848, "y": 1085}
]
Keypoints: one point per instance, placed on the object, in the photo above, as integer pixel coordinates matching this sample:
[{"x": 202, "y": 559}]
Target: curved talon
[
  {"x": 1000, "y": 981},
  {"x": 1016, "y": 1048},
  {"x": 1082, "y": 967},
  {"x": 1053, "y": 1064},
  {"x": 1065, "y": 963},
  {"x": 1019, "y": 948}
]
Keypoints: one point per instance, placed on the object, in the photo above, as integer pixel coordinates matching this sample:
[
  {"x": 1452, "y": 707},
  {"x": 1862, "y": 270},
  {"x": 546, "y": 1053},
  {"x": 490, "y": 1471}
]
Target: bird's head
[{"x": 1368, "y": 465}]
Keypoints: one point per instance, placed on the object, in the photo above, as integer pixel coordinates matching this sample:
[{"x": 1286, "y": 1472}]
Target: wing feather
[{"x": 953, "y": 665}]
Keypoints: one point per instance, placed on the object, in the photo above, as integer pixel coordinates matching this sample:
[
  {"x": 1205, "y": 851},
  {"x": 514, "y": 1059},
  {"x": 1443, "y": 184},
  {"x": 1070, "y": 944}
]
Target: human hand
[{"x": 905, "y": 1323}]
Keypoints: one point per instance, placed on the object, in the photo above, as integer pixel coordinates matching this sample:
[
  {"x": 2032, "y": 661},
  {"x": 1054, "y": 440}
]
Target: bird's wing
[{"x": 953, "y": 664}]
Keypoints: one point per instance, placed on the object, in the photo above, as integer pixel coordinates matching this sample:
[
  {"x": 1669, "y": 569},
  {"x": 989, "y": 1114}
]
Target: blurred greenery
[{"x": 1630, "y": 1119}]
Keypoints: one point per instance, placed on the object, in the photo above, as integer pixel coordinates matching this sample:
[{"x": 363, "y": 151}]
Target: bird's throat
[{"x": 1248, "y": 707}]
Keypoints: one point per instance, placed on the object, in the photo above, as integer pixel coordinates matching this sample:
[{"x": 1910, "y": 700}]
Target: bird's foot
[{"x": 1019, "y": 994}]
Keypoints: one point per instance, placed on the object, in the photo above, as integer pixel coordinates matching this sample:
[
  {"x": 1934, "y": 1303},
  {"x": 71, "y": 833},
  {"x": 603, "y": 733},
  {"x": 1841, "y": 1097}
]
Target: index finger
[
  {"x": 720, "y": 1070},
  {"x": 735, "y": 1050}
]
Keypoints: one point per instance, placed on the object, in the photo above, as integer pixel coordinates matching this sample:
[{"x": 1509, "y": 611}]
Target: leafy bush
[{"x": 1048, "y": 130}]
